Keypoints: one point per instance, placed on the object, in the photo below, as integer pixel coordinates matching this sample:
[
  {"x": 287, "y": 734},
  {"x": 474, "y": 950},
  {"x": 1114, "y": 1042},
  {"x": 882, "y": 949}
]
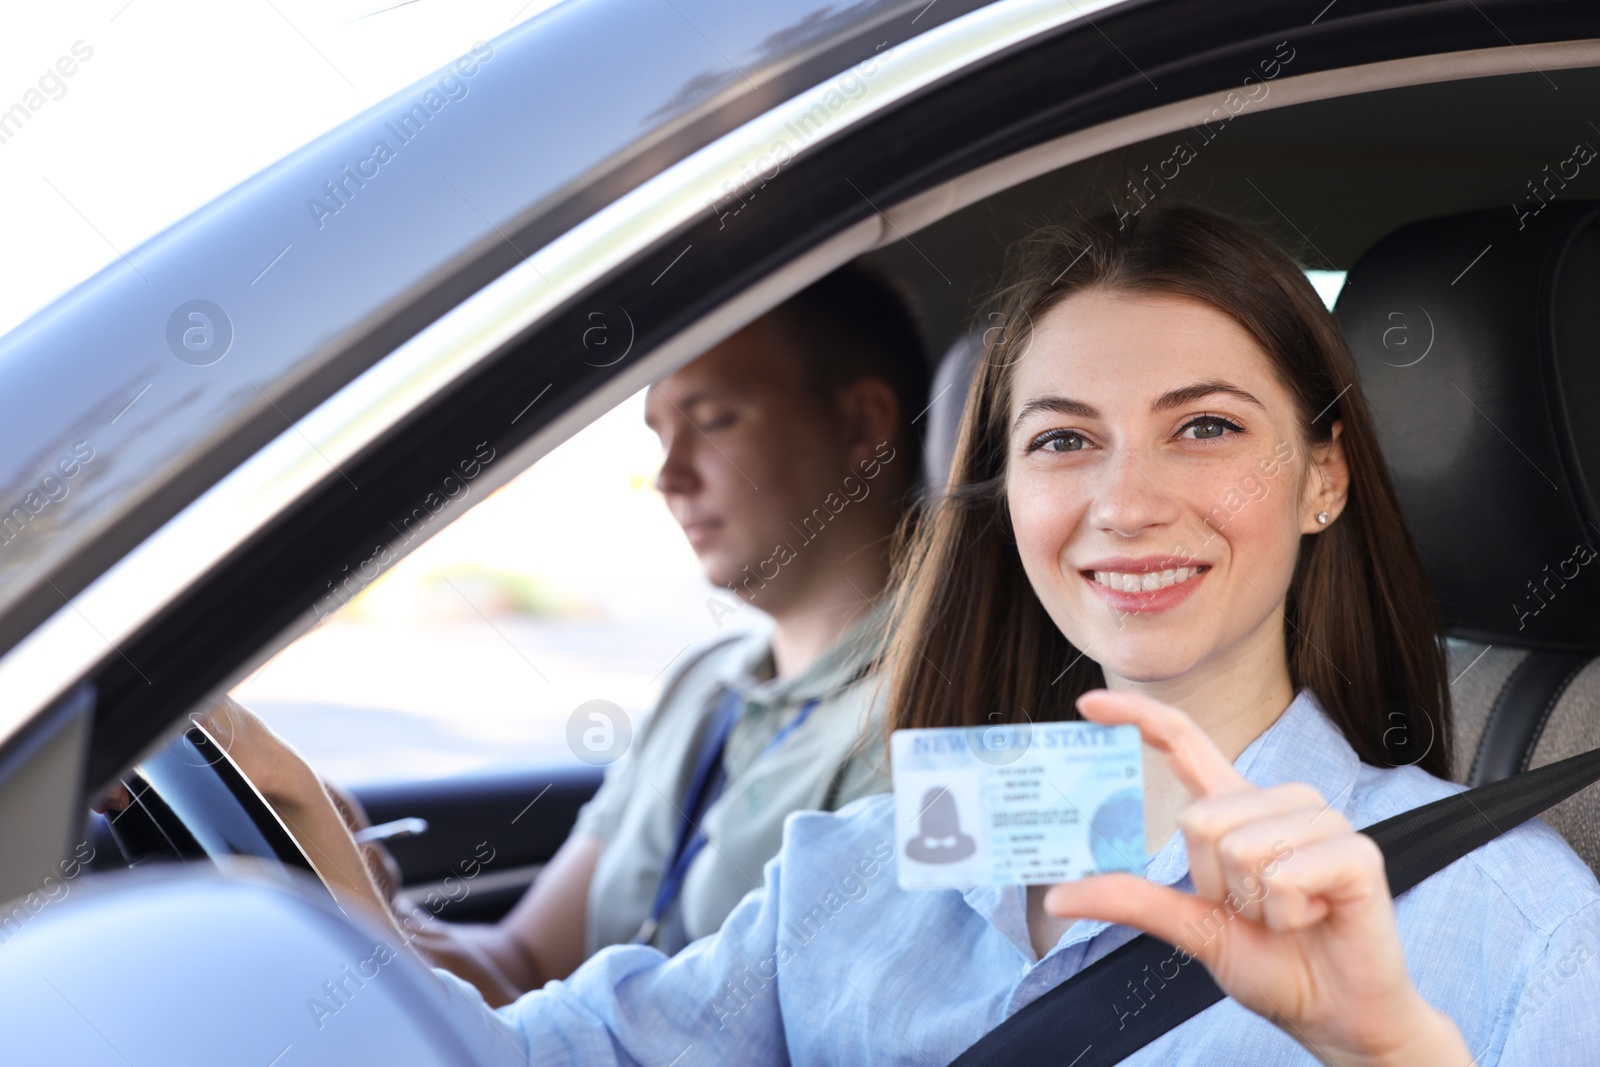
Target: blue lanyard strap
[{"x": 704, "y": 787}]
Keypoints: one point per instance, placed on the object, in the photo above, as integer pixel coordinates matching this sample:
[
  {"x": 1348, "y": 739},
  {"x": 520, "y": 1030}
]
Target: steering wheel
[{"x": 191, "y": 800}]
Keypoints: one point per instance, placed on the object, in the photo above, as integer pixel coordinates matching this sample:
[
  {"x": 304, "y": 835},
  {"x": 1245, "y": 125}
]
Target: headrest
[
  {"x": 947, "y": 396},
  {"x": 1477, "y": 340}
]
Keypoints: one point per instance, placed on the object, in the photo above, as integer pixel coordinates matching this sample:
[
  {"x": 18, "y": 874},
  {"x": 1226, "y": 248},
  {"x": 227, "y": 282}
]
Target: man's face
[{"x": 749, "y": 449}]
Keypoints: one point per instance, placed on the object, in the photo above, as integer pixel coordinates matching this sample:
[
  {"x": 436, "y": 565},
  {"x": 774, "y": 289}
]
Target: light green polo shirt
[{"x": 635, "y": 812}]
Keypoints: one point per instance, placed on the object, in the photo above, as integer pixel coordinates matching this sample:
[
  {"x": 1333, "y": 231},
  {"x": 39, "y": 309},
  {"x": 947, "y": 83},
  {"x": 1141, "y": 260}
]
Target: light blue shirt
[{"x": 830, "y": 962}]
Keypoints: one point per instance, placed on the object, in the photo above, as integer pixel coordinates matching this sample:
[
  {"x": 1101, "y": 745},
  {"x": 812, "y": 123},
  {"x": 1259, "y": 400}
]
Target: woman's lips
[{"x": 1175, "y": 588}]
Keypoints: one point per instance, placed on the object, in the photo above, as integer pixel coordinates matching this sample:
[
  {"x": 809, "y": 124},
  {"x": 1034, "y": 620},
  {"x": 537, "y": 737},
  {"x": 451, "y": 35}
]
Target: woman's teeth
[{"x": 1147, "y": 582}]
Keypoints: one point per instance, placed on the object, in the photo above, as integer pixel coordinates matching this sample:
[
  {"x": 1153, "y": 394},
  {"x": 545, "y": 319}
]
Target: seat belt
[{"x": 1078, "y": 1022}]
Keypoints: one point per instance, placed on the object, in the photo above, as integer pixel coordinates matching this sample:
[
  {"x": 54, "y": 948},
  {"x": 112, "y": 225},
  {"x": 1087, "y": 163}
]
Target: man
[{"x": 790, "y": 459}]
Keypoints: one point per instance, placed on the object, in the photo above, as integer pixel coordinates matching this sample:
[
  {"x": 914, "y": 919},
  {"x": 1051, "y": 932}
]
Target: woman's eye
[
  {"x": 1059, "y": 441},
  {"x": 719, "y": 422},
  {"x": 1210, "y": 427}
]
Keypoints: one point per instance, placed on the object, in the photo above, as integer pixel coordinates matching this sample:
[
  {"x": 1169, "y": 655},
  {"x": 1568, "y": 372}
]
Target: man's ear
[
  {"x": 870, "y": 414},
  {"x": 1327, "y": 482}
]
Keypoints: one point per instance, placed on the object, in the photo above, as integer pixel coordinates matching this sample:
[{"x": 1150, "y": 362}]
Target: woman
[{"x": 1167, "y": 484}]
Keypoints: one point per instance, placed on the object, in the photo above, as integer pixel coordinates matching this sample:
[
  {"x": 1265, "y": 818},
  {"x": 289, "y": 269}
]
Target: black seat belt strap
[{"x": 1134, "y": 994}]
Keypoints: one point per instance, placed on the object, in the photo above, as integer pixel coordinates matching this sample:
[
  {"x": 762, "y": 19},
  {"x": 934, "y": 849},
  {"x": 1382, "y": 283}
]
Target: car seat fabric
[
  {"x": 1573, "y": 727},
  {"x": 1477, "y": 340}
]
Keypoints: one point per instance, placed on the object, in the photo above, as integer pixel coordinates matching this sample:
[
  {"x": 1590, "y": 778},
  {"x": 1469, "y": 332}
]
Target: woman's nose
[{"x": 1132, "y": 496}]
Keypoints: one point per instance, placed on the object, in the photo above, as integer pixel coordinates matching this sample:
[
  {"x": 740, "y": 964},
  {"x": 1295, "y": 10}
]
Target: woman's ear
[
  {"x": 1327, "y": 483},
  {"x": 870, "y": 413}
]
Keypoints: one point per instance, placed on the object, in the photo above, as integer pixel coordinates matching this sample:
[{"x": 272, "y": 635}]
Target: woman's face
[{"x": 1158, "y": 485}]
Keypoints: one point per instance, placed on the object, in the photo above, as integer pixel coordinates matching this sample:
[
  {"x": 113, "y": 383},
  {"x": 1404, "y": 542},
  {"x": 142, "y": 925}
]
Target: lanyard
[{"x": 704, "y": 787}]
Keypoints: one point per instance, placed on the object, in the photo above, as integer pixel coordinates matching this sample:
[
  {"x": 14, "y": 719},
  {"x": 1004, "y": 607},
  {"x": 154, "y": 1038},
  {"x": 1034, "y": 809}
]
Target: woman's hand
[{"x": 1291, "y": 912}]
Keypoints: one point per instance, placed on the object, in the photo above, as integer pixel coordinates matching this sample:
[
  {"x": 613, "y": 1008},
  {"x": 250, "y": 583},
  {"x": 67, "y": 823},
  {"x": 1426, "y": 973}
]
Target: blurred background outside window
[{"x": 571, "y": 583}]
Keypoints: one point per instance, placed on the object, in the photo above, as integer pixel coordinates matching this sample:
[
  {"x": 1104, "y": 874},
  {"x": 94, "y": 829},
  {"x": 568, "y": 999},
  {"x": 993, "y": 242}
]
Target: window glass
[
  {"x": 571, "y": 583},
  {"x": 1327, "y": 284}
]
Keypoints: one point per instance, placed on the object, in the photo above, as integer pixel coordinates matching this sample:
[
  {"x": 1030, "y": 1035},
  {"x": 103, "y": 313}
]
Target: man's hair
[{"x": 858, "y": 323}]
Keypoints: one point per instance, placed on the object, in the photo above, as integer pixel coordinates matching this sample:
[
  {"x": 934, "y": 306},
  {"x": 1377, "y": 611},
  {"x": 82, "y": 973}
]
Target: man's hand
[
  {"x": 380, "y": 861},
  {"x": 544, "y": 931},
  {"x": 308, "y": 811},
  {"x": 279, "y": 772}
]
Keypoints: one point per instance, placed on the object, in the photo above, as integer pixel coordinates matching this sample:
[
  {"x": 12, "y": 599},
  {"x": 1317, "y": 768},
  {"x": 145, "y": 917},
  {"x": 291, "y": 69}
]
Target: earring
[{"x": 1322, "y": 518}]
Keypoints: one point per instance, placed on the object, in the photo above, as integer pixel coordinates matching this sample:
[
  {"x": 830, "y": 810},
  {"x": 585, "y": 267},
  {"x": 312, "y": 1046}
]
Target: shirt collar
[
  {"x": 1302, "y": 745},
  {"x": 750, "y": 674}
]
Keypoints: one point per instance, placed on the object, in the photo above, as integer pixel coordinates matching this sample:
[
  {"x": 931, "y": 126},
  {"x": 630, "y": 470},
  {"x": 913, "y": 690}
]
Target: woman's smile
[{"x": 1143, "y": 586}]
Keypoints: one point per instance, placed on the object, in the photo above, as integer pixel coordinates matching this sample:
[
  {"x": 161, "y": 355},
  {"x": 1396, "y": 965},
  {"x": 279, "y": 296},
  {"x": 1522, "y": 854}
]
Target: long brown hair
[{"x": 971, "y": 644}]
